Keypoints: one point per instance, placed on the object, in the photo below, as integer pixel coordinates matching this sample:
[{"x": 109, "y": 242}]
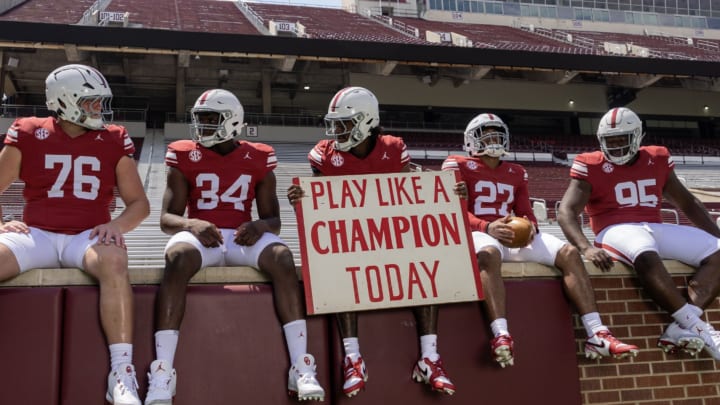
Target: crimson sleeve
[{"x": 477, "y": 224}]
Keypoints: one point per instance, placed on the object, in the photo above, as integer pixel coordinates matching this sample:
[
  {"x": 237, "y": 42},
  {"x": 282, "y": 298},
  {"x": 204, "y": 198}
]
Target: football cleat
[
  {"x": 122, "y": 386},
  {"x": 676, "y": 339},
  {"x": 604, "y": 344},
  {"x": 433, "y": 373},
  {"x": 710, "y": 337},
  {"x": 162, "y": 382},
  {"x": 502, "y": 350},
  {"x": 355, "y": 374},
  {"x": 302, "y": 380}
]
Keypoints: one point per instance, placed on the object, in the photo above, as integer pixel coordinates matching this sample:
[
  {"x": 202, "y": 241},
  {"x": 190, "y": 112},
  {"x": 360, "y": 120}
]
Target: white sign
[
  {"x": 445, "y": 36},
  {"x": 252, "y": 131},
  {"x": 112, "y": 16},
  {"x": 384, "y": 241},
  {"x": 285, "y": 26}
]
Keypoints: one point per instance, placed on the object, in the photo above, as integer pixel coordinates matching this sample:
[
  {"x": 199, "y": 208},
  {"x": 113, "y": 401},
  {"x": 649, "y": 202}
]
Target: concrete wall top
[{"x": 246, "y": 275}]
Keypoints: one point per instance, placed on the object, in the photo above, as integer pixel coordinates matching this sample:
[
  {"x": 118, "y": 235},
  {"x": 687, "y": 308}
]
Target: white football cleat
[
  {"x": 433, "y": 373},
  {"x": 604, "y": 344},
  {"x": 302, "y": 380},
  {"x": 355, "y": 374},
  {"x": 676, "y": 339},
  {"x": 122, "y": 386},
  {"x": 501, "y": 348},
  {"x": 162, "y": 382},
  {"x": 710, "y": 336}
]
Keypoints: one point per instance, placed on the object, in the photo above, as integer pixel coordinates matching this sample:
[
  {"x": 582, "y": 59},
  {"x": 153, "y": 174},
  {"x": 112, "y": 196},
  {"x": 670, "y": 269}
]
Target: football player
[
  {"x": 217, "y": 178},
  {"x": 621, "y": 186},
  {"x": 70, "y": 164},
  {"x": 495, "y": 189},
  {"x": 358, "y": 147}
]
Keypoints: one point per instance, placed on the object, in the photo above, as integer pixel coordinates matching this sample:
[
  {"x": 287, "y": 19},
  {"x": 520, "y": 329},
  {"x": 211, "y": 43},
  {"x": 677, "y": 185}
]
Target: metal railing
[{"x": 16, "y": 110}]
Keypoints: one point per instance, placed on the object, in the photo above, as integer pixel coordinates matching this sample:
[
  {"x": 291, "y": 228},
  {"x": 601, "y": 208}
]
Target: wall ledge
[{"x": 248, "y": 275}]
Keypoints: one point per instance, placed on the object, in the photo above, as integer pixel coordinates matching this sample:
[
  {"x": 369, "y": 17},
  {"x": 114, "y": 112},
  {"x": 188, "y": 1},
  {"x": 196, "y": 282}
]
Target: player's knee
[
  {"x": 180, "y": 253},
  {"x": 9, "y": 266},
  {"x": 567, "y": 254},
  {"x": 280, "y": 255},
  {"x": 114, "y": 262},
  {"x": 649, "y": 262},
  {"x": 278, "y": 261},
  {"x": 489, "y": 258},
  {"x": 713, "y": 261}
]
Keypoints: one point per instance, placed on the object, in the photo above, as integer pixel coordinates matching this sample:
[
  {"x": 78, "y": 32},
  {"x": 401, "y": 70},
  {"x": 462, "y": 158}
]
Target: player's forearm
[
  {"x": 135, "y": 212},
  {"x": 700, "y": 217},
  {"x": 271, "y": 224},
  {"x": 173, "y": 223},
  {"x": 572, "y": 230}
]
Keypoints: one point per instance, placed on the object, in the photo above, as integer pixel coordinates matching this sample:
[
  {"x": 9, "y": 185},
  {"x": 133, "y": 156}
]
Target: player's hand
[
  {"x": 599, "y": 257},
  {"x": 500, "y": 230},
  {"x": 460, "y": 190},
  {"x": 108, "y": 234},
  {"x": 249, "y": 233},
  {"x": 533, "y": 231},
  {"x": 295, "y": 193},
  {"x": 14, "y": 226},
  {"x": 206, "y": 232}
]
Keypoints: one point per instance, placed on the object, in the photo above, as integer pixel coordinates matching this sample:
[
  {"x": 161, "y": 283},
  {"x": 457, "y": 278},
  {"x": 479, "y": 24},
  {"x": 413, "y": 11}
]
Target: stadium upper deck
[{"x": 278, "y": 58}]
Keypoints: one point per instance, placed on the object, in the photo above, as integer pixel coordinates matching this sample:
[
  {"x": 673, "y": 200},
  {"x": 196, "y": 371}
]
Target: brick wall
[{"x": 652, "y": 377}]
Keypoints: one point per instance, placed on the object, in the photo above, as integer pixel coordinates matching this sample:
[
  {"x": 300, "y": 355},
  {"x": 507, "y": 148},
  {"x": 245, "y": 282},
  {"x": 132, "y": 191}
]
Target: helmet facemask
[
  {"x": 352, "y": 114},
  {"x": 91, "y": 117},
  {"x": 617, "y": 125},
  {"x": 216, "y": 117},
  {"x": 487, "y": 140},
  {"x": 346, "y": 131},
  {"x": 487, "y": 135},
  {"x": 79, "y": 94},
  {"x": 210, "y": 127},
  {"x": 618, "y": 152}
]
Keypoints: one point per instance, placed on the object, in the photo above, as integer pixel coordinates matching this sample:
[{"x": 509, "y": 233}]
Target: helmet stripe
[
  {"x": 338, "y": 96},
  {"x": 204, "y": 97},
  {"x": 613, "y": 118}
]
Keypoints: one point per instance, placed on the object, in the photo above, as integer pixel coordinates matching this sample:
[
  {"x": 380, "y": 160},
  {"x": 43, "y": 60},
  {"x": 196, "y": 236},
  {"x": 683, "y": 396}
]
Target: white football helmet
[
  {"x": 79, "y": 94},
  {"x": 229, "y": 122},
  {"x": 358, "y": 105},
  {"x": 493, "y": 143},
  {"x": 620, "y": 122}
]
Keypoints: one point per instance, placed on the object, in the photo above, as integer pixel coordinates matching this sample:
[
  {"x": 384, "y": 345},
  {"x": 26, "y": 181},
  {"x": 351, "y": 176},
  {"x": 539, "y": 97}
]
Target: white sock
[
  {"x": 120, "y": 353},
  {"x": 428, "y": 347},
  {"x": 165, "y": 345},
  {"x": 296, "y": 338},
  {"x": 686, "y": 316},
  {"x": 592, "y": 323},
  {"x": 352, "y": 346},
  {"x": 696, "y": 309},
  {"x": 499, "y": 327}
]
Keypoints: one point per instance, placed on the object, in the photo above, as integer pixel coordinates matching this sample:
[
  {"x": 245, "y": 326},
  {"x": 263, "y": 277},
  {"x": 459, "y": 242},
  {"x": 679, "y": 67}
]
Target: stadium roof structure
[{"x": 155, "y": 66}]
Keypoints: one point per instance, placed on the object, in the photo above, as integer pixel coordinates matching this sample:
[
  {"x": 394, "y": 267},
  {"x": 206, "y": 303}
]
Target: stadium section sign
[{"x": 384, "y": 241}]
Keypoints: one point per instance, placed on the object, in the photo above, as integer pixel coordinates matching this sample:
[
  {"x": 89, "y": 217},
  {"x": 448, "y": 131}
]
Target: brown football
[{"x": 523, "y": 229}]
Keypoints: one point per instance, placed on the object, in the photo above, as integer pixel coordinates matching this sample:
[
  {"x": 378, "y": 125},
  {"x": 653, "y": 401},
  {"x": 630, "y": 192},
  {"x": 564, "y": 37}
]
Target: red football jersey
[
  {"x": 624, "y": 193},
  {"x": 388, "y": 156},
  {"x": 68, "y": 181},
  {"x": 221, "y": 187},
  {"x": 493, "y": 193}
]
